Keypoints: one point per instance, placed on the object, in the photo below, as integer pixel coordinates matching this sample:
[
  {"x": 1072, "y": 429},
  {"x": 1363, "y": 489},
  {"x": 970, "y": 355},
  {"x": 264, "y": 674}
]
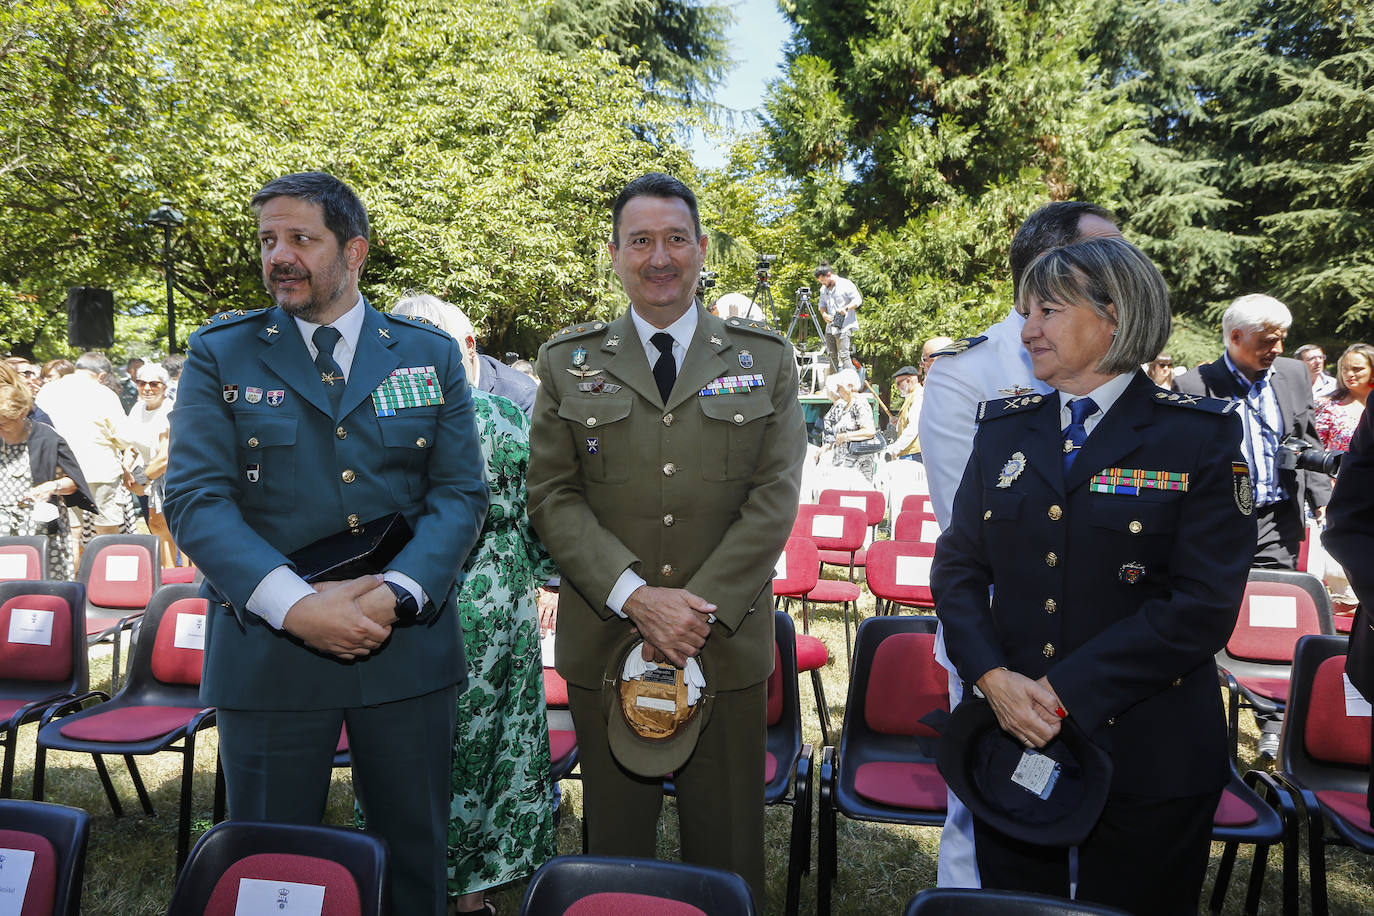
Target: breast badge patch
[
  {"x": 1242, "y": 487},
  {"x": 1012, "y": 469}
]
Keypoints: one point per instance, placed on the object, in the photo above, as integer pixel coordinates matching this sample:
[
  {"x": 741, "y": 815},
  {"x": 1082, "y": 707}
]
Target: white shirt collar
[
  {"x": 349, "y": 325},
  {"x": 1104, "y": 396},
  {"x": 681, "y": 331}
]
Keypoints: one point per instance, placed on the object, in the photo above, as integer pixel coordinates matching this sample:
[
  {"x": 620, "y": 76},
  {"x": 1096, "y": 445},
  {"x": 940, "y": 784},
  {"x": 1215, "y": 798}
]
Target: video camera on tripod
[
  {"x": 763, "y": 267},
  {"x": 705, "y": 281}
]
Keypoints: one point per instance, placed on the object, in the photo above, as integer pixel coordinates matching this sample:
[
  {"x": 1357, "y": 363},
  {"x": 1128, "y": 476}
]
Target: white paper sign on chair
[
  {"x": 190, "y": 632},
  {"x": 854, "y": 502},
  {"x": 13, "y": 566},
  {"x": 780, "y": 567},
  {"x": 913, "y": 570},
  {"x": 257, "y": 897},
  {"x": 1278, "y": 612},
  {"x": 121, "y": 569},
  {"x": 827, "y": 526},
  {"x": 15, "y": 866},
  {"x": 1356, "y": 706},
  {"x": 930, "y": 531},
  {"x": 31, "y": 627}
]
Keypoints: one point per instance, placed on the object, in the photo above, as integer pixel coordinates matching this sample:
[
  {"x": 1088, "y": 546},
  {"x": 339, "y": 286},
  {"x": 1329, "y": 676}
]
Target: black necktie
[
  {"x": 665, "y": 369},
  {"x": 331, "y": 376},
  {"x": 1079, "y": 411}
]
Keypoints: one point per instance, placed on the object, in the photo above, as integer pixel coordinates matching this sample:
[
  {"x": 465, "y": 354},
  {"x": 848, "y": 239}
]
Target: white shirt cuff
[
  {"x": 276, "y": 593},
  {"x": 622, "y": 590},
  {"x": 409, "y": 585}
]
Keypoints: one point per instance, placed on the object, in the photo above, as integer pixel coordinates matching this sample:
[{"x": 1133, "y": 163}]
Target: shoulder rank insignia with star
[
  {"x": 963, "y": 345},
  {"x": 991, "y": 410},
  {"x": 1195, "y": 401}
]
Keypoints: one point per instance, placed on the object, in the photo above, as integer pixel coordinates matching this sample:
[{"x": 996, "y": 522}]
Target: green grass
[{"x": 129, "y": 868}]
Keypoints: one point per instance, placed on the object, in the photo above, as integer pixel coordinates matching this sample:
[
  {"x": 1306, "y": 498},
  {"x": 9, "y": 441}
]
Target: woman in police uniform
[{"x": 1111, "y": 519}]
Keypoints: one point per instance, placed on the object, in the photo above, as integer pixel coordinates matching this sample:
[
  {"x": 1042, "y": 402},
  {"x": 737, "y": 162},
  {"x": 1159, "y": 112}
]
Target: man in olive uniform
[{"x": 665, "y": 465}]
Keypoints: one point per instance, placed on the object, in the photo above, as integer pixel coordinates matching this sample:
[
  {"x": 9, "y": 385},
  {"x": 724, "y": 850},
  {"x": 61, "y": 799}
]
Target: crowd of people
[{"x": 633, "y": 496}]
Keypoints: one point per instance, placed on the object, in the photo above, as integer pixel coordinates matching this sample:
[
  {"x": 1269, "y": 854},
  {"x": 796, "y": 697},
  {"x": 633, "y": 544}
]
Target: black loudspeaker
[{"x": 90, "y": 317}]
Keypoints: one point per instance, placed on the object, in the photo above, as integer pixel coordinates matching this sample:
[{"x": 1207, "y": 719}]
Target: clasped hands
[
  {"x": 347, "y": 619},
  {"x": 672, "y": 621},
  {"x": 1028, "y": 710}
]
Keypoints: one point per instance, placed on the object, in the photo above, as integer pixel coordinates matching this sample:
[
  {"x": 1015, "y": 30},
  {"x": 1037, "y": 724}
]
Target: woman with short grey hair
[{"x": 1111, "y": 521}]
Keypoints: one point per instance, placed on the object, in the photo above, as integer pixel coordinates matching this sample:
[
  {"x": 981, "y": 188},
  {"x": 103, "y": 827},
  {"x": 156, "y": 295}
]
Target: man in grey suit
[{"x": 294, "y": 424}]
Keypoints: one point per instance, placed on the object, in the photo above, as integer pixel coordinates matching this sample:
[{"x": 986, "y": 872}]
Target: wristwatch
[{"x": 407, "y": 609}]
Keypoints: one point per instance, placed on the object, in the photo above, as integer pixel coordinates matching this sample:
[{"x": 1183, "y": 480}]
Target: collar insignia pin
[
  {"x": 271, "y": 329},
  {"x": 384, "y": 333},
  {"x": 716, "y": 341}
]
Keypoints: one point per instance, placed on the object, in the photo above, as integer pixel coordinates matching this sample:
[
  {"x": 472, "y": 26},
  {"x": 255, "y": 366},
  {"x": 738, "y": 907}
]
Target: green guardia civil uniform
[{"x": 699, "y": 493}]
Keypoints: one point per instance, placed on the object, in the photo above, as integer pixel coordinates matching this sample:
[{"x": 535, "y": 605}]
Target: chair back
[
  {"x": 915, "y": 526},
  {"x": 256, "y": 865},
  {"x": 797, "y": 569},
  {"x": 871, "y": 501},
  {"x": 783, "y": 741},
  {"x": 831, "y": 527},
  {"x": 24, "y": 557},
  {"x": 918, "y": 503},
  {"x": 42, "y": 641},
  {"x": 899, "y": 572},
  {"x": 56, "y": 835},
  {"x": 1325, "y": 743},
  {"x": 895, "y": 682},
  {"x": 1278, "y": 609},
  {"x": 599, "y": 885},
  {"x": 120, "y": 572},
  {"x": 950, "y": 901},
  {"x": 166, "y": 661}
]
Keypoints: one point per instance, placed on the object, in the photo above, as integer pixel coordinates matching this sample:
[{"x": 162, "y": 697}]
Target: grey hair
[
  {"x": 1102, "y": 272},
  {"x": 846, "y": 377},
  {"x": 1255, "y": 312},
  {"x": 153, "y": 372},
  {"x": 437, "y": 312},
  {"x": 1301, "y": 352},
  {"x": 94, "y": 361}
]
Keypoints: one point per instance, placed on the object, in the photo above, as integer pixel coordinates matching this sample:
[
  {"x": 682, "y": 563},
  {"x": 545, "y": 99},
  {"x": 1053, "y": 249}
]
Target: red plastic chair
[
  {"x": 23, "y": 558},
  {"x": 884, "y": 770},
  {"x": 874, "y": 506},
  {"x": 1324, "y": 756},
  {"x": 913, "y": 525},
  {"x": 834, "y": 528},
  {"x": 796, "y": 577},
  {"x": 349, "y": 866},
  {"x": 121, "y": 572},
  {"x": 158, "y": 709},
  {"x": 56, "y": 835},
  {"x": 917, "y": 502},
  {"x": 42, "y": 666},
  {"x": 899, "y": 574},
  {"x": 562, "y": 738},
  {"x": 1279, "y": 608}
]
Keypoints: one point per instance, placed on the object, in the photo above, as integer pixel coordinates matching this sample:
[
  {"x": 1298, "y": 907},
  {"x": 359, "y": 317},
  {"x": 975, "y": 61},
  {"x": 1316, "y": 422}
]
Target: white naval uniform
[{"x": 997, "y": 367}]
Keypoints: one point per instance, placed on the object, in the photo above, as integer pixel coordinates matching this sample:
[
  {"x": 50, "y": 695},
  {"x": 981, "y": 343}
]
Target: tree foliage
[
  {"x": 921, "y": 132},
  {"x": 487, "y": 163}
]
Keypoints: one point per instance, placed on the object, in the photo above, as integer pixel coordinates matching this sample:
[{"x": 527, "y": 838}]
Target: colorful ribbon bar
[
  {"x": 1129, "y": 482},
  {"x": 412, "y": 386},
  {"x": 732, "y": 384}
]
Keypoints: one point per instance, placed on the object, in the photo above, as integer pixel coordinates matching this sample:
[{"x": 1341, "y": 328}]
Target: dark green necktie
[{"x": 331, "y": 376}]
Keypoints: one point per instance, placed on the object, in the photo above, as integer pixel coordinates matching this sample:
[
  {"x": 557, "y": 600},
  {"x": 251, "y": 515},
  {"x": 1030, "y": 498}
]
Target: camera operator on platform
[{"x": 839, "y": 300}]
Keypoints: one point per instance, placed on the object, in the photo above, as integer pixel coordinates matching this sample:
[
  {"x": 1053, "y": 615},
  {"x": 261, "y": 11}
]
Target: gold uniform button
[
  {"x": 666, "y": 569},
  {"x": 667, "y": 419},
  {"x": 421, "y": 442},
  {"x": 1051, "y": 559},
  {"x": 1112, "y": 720},
  {"x": 1135, "y": 527},
  {"x": 1051, "y": 605},
  {"x": 669, "y": 469},
  {"x": 341, "y": 433},
  {"x": 348, "y": 476},
  {"x": 987, "y": 515},
  {"x": 668, "y": 521},
  {"x": 1178, "y": 682},
  {"x": 353, "y": 521},
  {"x": 591, "y": 421},
  {"x": 1056, "y": 513},
  {"x": 1047, "y": 650},
  {"x": 252, "y": 441},
  {"x": 739, "y": 418}
]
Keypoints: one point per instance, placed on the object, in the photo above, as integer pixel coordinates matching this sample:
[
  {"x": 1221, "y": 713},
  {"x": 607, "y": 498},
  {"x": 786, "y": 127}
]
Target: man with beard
[{"x": 307, "y": 421}]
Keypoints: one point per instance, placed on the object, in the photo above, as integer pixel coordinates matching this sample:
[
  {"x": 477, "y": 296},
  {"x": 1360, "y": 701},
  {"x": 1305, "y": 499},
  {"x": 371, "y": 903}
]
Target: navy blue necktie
[
  {"x": 665, "y": 367},
  {"x": 331, "y": 376},
  {"x": 1079, "y": 410}
]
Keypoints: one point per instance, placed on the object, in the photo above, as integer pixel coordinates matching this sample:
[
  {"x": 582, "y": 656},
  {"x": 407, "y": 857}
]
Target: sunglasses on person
[
  {"x": 1164, "y": 363},
  {"x": 148, "y": 384},
  {"x": 29, "y": 373}
]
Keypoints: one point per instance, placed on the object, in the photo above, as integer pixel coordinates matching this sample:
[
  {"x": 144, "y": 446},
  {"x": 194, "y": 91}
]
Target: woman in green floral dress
[{"x": 501, "y": 818}]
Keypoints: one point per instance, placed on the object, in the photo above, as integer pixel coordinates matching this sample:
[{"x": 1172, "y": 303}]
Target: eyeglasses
[
  {"x": 148, "y": 384},
  {"x": 1164, "y": 363},
  {"x": 29, "y": 373}
]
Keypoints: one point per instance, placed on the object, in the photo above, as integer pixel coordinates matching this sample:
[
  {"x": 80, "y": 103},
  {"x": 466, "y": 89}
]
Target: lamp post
[{"x": 169, "y": 218}]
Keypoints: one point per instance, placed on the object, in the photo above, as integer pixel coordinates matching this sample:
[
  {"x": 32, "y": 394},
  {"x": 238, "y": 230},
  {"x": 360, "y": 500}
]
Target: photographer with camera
[
  {"x": 839, "y": 300},
  {"x": 1274, "y": 398}
]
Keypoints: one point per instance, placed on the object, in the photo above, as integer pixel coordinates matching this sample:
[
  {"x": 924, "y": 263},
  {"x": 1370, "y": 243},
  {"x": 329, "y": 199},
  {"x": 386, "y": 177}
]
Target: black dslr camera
[{"x": 1300, "y": 455}]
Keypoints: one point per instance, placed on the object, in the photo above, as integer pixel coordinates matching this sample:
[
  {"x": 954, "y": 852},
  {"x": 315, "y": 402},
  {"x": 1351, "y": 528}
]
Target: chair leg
[
  {"x": 1255, "y": 886},
  {"x": 1223, "y": 881},
  {"x": 188, "y": 772},
  {"x": 822, "y": 709},
  {"x": 806, "y": 616},
  {"x": 848, "y": 647},
  {"x": 800, "y": 845},
  {"x": 104, "y": 774},
  {"x": 218, "y": 815},
  {"x": 1316, "y": 859},
  {"x": 7, "y": 780},
  {"x": 40, "y": 765},
  {"x": 114, "y": 665},
  {"x": 138, "y": 784},
  {"x": 825, "y": 853}
]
